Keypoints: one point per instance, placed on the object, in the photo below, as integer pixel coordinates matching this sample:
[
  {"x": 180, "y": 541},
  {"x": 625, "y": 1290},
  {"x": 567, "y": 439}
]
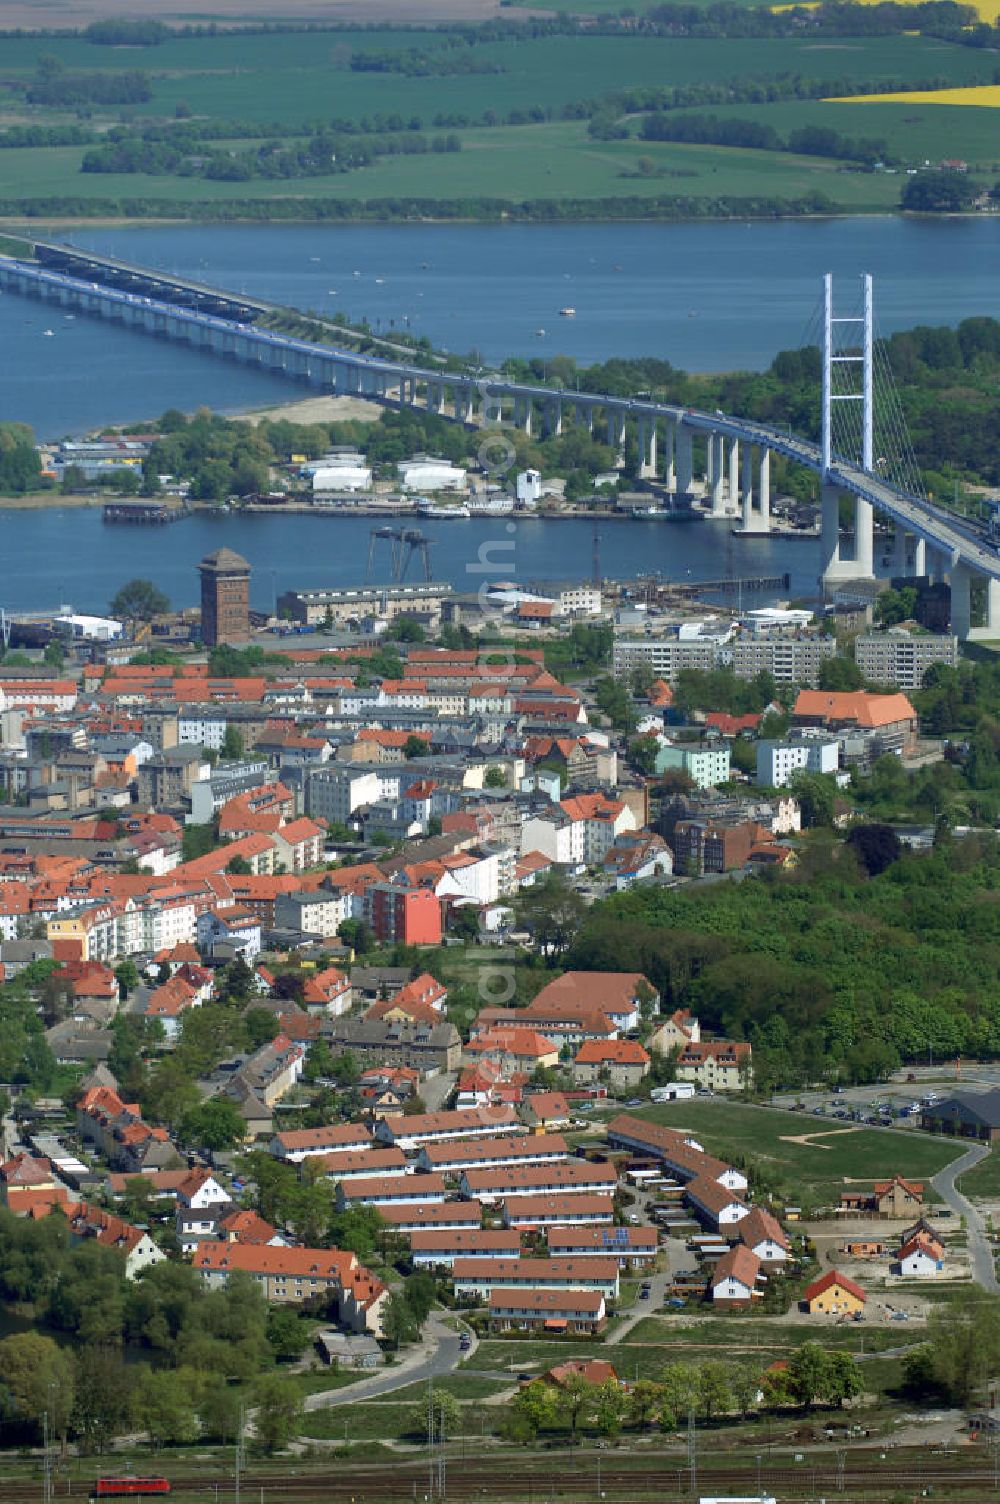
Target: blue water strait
[{"x": 703, "y": 296}]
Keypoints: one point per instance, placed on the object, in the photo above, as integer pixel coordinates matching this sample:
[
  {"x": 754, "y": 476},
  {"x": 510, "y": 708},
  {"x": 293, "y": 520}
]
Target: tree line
[
  {"x": 321, "y": 155},
  {"x": 711, "y": 1390},
  {"x": 417, "y": 210},
  {"x": 807, "y": 141},
  {"x": 57, "y": 88}
]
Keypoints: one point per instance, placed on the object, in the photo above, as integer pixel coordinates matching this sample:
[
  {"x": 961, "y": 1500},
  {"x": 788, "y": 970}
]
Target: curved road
[
  {"x": 439, "y": 1354},
  {"x": 980, "y": 1247}
]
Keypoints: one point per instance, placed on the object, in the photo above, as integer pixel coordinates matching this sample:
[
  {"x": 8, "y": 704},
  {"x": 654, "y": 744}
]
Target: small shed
[{"x": 349, "y": 1349}]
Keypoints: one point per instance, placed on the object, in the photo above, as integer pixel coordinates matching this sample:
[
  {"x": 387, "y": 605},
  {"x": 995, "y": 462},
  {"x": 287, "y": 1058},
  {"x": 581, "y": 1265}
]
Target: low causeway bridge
[{"x": 732, "y": 454}]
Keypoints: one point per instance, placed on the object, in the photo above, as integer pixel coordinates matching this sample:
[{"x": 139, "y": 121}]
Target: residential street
[
  {"x": 437, "y": 1354},
  {"x": 980, "y": 1247}
]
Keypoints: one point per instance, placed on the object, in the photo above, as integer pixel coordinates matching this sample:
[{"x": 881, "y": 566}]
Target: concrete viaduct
[{"x": 733, "y": 454}]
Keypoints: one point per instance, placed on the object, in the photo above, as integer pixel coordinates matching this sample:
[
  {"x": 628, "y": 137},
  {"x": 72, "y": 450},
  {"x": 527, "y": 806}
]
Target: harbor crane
[{"x": 405, "y": 543}]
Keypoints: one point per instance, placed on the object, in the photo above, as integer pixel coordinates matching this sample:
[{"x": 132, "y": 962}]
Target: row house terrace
[
  {"x": 573, "y": 1209},
  {"x": 492, "y": 1153},
  {"x": 271, "y": 1071},
  {"x": 437, "y": 1127},
  {"x": 439, "y": 1216},
  {"x": 680, "y": 1153},
  {"x": 571, "y": 1177},
  {"x": 390, "y": 1190},
  {"x": 581, "y": 1312},
  {"x": 632, "y": 1246},
  {"x": 476, "y": 1279},
  {"x": 362, "y": 1164},
  {"x": 336, "y": 1138},
  {"x": 434, "y": 1249}
]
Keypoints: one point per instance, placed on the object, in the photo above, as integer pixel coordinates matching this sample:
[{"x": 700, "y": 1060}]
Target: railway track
[{"x": 863, "y": 1477}]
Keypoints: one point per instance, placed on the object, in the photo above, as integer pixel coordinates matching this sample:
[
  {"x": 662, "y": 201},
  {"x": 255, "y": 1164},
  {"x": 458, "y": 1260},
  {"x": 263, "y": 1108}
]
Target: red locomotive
[{"x": 128, "y": 1486}]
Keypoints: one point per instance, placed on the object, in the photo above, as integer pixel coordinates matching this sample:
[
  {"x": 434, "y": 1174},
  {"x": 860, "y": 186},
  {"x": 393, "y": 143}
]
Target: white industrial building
[
  {"x": 528, "y": 487},
  {"x": 93, "y": 628},
  {"x": 424, "y": 473},
  {"x": 345, "y": 470}
]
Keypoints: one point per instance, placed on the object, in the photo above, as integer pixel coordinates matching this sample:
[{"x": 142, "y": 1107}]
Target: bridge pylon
[{"x": 848, "y": 381}]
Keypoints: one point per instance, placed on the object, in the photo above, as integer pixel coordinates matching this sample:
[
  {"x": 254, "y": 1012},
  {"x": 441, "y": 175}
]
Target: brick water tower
[{"x": 225, "y": 598}]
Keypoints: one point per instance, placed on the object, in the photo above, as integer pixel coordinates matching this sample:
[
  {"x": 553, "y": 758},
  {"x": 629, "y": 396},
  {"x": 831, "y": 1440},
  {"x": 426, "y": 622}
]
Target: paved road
[
  {"x": 658, "y": 1295},
  {"x": 438, "y": 1354},
  {"x": 980, "y": 1248}
]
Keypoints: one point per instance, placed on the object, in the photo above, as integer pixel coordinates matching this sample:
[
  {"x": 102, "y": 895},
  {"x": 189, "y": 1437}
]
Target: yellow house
[{"x": 833, "y": 1294}]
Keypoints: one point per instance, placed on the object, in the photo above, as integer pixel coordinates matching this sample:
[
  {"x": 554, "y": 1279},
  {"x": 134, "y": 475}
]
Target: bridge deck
[{"x": 949, "y": 535}]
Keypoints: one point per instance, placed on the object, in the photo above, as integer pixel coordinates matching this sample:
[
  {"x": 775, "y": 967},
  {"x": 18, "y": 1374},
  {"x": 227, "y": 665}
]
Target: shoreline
[
  {"x": 27, "y": 222},
  {"x": 41, "y": 501},
  {"x": 124, "y": 221}
]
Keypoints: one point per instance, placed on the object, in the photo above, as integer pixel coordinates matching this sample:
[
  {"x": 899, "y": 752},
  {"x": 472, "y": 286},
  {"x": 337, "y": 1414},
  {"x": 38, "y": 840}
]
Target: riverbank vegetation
[{"x": 540, "y": 120}]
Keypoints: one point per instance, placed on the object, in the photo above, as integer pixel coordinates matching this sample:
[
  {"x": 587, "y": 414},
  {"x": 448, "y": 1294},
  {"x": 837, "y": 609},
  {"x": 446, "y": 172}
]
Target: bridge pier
[
  {"x": 647, "y": 448},
  {"x": 734, "y": 476},
  {"x": 554, "y": 419},
  {"x": 684, "y": 461},
  {"x": 669, "y": 455},
  {"x": 835, "y": 566},
  {"x": 961, "y": 579},
  {"x": 904, "y": 562},
  {"x": 756, "y": 519},
  {"x": 492, "y": 409},
  {"x": 714, "y": 466}
]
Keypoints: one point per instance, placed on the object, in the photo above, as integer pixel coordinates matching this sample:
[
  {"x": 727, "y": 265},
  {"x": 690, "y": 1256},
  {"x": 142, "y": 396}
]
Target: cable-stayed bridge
[{"x": 727, "y": 456}]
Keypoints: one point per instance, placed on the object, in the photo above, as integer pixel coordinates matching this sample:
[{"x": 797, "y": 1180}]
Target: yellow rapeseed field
[
  {"x": 989, "y": 10},
  {"x": 985, "y": 95}
]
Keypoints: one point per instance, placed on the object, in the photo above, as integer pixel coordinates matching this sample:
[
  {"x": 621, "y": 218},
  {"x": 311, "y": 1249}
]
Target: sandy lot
[{"x": 317, "y": 410}]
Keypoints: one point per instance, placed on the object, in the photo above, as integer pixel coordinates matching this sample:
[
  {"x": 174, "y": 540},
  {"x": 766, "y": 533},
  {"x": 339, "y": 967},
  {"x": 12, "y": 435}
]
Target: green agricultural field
[
  {"x": 811, "y": 1172},
  {"x": 292, "y": 81},
  {"x": 297, "y": 79},
  {"x": 555, "y": 161},
  {"x": 913, "y": 133}
]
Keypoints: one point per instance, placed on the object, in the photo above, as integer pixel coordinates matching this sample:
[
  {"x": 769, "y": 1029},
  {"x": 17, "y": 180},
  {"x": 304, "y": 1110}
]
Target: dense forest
[{"x": 829, "y": 972}]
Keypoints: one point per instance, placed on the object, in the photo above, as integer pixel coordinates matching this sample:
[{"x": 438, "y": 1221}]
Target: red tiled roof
[{"x": 828, "y": 1280}]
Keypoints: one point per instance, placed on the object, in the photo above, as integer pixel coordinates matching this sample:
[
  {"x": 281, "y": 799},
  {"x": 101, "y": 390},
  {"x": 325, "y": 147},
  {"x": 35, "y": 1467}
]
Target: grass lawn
[
  {"x": 462, "y": 1386},
  {"x": 748, "y": 1335},
  {"x": 657, "y": 1340},
  {"x": 805, "y": 1172},
  {"x": 319, "y": 1381},
  {"x": 983, "y": 1180},
  {"x": 362, "y": 1422}
]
